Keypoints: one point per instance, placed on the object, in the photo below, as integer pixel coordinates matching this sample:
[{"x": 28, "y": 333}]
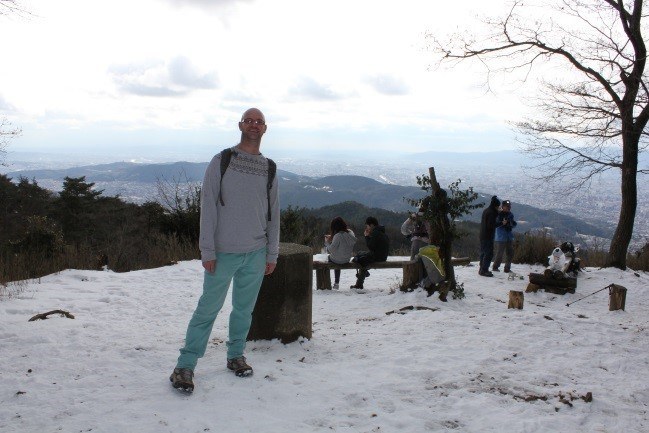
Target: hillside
[{"x": 301, "y": 191}]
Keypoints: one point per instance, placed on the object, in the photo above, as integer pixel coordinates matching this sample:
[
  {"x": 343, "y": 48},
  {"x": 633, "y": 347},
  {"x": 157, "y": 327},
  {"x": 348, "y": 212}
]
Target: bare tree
[
  {"x": 7, "y": 133},
  {"x": 12, "y": 7},
  {"x": 592, "y": 115}
]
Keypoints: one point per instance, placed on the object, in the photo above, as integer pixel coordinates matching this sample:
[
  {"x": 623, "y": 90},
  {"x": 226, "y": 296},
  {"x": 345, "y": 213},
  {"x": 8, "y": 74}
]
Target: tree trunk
[
  {"x": 622, "y": 238},
  {"x": 446, "y": 241}
]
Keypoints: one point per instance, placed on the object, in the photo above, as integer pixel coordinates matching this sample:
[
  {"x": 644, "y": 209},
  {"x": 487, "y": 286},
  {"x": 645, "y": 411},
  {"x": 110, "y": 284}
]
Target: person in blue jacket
[{"x": 505, "y": 224}]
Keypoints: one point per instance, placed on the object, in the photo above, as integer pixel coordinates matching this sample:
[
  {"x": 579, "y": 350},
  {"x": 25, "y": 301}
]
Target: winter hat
[{"x": 495, "y": 201}]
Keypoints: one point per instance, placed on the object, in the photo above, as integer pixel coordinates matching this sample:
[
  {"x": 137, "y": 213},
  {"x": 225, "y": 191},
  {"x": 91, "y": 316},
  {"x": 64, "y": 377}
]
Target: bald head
[
  {"x": 252, "y": 127},
  {"x": 253, "y": 113}
]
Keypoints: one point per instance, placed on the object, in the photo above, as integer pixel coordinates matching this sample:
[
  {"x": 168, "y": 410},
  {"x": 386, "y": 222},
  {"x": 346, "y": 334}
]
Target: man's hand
[
  {"x": 270, "y": 267},
  {"x": 210, "y": 266}
]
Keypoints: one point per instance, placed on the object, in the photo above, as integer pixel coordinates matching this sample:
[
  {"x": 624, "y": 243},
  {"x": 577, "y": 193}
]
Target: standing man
[
  {"x": 505, "y": 223},
  {"x": 239, "y": 243},
  {"x": 378, "y": 244},
  {"x": 487, "y": 233}
]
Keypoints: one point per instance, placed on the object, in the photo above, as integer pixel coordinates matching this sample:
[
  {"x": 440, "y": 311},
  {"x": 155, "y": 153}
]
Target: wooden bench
[{"x": 413, "y": 270}]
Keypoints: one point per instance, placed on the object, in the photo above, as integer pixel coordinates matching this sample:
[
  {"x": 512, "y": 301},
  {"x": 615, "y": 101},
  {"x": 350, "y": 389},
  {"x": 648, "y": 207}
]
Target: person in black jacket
[
  {"x": 377, "y": 243},
  {"x": 487, "y": 233}
]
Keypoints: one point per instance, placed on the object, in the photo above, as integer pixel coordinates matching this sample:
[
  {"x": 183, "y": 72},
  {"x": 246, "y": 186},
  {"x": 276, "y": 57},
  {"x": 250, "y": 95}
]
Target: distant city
[{"x": 491, "y": 173}]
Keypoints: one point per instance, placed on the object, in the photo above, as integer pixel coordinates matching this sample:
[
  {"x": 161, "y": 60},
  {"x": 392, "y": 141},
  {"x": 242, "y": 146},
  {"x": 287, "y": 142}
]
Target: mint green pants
[{"x": 246, "y": 272}]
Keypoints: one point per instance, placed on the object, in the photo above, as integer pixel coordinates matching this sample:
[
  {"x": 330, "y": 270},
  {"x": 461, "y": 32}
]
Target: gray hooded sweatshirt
[{"x": 341, "y": 247}]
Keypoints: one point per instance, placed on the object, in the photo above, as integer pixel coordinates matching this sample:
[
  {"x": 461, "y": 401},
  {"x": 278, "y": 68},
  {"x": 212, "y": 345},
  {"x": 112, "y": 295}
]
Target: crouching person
[{"x": 378, "y": 245}]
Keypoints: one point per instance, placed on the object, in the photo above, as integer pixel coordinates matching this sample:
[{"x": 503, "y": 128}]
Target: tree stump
[
  {"x": 284, "y": 306},
  {"x": 412, "y": 274},
  {"x": 515, "y": 299},
  {"x": 616, "y": 297}
]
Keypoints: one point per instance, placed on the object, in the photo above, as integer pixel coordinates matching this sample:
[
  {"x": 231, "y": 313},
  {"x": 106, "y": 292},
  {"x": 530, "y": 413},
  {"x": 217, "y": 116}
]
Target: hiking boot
[
  {"x": 239, "y": 366},
  {"x": 335, "y": 286},
  {"x": 496, "y": 270},
  {"x": 487, "y": 274},
  {"x": 365, "y": 273},
  {"x": 507, "y": 271},
  {"x": 356, "y": 286},
  {"x": 182, "y": 379}
]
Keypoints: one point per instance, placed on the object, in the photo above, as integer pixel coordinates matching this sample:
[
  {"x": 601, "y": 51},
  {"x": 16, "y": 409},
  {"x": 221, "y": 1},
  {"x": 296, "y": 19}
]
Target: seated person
[
  {"x": 339, "y": 243},
  {"x": 378, "y": 244}
]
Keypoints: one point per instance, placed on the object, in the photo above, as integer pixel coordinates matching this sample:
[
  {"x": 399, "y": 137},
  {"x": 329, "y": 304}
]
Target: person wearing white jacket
[
  {"x": 340, "y": 245},
  {"x": 415, "y": 229}
]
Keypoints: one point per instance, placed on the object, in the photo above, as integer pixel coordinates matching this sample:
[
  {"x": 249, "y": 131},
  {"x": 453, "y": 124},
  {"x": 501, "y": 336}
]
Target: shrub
[
  {"x": 533, "y": 248},
  {"x": 639, "y": 260}
]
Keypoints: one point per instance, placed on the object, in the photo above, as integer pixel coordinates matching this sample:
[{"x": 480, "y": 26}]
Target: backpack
[{"x": 226, "y": 156}]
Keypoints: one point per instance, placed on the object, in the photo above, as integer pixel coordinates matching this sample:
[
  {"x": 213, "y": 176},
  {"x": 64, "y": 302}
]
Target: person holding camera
[
  {"x": 504, "y": 239},
  {"x": 415, "y": 229}
]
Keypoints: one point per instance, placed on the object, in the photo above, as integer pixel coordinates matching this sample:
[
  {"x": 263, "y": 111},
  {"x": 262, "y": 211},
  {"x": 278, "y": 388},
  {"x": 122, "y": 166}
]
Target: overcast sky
[{"x": 336, "y": 75}]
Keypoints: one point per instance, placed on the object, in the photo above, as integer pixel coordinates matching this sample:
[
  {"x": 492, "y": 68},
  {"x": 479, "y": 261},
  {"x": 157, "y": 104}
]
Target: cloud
[
  {"x": 176, "y": 78},
  {"x": 308, "y": 88},
  {"x": 6, "y": 106},
  {"x": 182, "y": 73},
  {"x": 156, "y": 91},
  {"x": 207, "y": 3},
  {"x": 388, "y": 85}
]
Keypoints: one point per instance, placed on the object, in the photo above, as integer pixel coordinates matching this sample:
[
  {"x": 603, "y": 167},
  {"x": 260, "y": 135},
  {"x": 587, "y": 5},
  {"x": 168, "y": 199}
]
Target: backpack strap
[
  {"x": 272, "y": 170},
  {"x": 226, "y": 156}
]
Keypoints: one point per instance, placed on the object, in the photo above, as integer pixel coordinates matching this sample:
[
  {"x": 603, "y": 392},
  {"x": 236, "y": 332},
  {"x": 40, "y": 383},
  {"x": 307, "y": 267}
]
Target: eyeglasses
[{"x": 249, "y": 121}]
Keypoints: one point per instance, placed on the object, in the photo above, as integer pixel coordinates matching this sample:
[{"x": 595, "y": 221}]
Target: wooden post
[
  {"x": 616, "y": 297},
  {"x": 412, "y": 274},
  {"x": 322, "y": 279},
  {"x": 515, "y": 299}
]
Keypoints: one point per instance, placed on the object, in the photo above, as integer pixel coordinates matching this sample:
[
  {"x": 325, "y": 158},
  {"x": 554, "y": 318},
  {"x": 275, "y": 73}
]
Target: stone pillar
[{"x": 284, "y": 305}]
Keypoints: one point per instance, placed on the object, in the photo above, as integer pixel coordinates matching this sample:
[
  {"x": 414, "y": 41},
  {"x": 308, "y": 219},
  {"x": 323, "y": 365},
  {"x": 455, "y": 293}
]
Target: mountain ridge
[{"x": 309, "y": 192}]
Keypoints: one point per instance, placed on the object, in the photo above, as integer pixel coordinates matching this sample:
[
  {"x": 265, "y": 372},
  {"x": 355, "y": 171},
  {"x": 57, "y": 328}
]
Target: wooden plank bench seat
[{"x": 412, "y": 270}]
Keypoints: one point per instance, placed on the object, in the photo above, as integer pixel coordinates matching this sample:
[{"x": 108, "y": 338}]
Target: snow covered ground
[{"x": 472, "y": 365}]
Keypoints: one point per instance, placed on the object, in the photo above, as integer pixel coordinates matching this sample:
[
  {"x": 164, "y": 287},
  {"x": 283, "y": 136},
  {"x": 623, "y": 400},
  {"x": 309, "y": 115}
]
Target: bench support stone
[{"x": 284, "y": 306}]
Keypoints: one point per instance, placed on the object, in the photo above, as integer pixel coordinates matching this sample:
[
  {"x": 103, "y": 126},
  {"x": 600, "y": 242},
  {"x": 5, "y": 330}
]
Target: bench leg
[
  {"x": 322, "y": 279},
  {"x": 412, "y": 274}
]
